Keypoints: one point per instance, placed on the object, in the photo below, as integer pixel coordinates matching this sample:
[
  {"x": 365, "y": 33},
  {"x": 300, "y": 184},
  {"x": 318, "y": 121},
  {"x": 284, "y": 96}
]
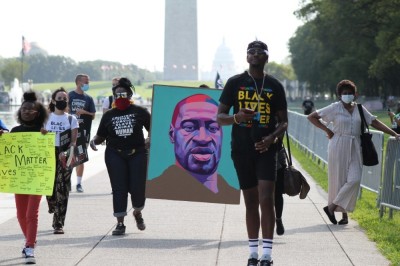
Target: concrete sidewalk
[{"x": 180, "y": 233}]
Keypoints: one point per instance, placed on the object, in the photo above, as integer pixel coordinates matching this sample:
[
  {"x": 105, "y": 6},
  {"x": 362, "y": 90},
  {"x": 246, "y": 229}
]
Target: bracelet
[{"x": 234, "y": 119}]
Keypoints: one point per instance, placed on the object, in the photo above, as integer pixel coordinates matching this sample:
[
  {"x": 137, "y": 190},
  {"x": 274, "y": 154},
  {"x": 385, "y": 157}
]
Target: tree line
[
  {"x": 48, "y": 69},
  {"x": 348, "y": 39}
]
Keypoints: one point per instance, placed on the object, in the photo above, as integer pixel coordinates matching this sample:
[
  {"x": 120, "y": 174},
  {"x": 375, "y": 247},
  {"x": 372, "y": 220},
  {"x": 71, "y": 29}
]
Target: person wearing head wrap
[{"x": 126, "y": 153}]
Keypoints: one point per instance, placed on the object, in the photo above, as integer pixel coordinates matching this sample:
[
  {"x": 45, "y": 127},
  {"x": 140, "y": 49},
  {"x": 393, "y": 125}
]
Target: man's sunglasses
[{"x": 254, "y": 51}]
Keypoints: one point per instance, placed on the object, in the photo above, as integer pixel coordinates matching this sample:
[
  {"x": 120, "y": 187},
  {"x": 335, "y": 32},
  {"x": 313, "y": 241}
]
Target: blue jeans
[{"x": 127, "y": 174}]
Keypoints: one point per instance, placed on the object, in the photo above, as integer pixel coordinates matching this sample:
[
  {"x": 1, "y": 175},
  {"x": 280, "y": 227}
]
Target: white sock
[
  {"x": 78, "y": 180},
  {"x": 253, "y": 247},
  {"x": 267, "y": 249}
]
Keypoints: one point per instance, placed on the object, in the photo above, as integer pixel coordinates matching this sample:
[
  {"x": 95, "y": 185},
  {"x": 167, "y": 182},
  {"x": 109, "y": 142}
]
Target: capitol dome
[{"x": 223, "y": 62}]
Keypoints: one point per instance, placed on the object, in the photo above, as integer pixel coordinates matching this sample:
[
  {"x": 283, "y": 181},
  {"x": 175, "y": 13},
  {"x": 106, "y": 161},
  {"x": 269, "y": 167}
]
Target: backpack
[{"x": 110, "y": 100}]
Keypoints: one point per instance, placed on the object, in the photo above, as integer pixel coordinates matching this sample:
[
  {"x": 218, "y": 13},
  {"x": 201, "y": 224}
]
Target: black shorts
[{"x": 253, "y": 166}]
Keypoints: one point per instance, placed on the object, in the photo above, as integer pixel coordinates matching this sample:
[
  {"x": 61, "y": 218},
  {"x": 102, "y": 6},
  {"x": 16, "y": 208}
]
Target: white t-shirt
[{"x": 59, "y": 123}]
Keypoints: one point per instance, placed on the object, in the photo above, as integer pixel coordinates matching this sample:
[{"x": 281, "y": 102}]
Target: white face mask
[{"x": 347, "y": 98}]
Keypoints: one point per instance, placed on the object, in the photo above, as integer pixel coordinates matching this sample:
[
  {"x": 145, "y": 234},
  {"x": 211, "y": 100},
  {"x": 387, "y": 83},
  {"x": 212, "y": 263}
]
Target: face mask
[
  {"x": 85, "y": 87},
  {"x": 347, "y": 98},
  {"x": 61, "y": 105},
  {"x": 122, "y": 103}
]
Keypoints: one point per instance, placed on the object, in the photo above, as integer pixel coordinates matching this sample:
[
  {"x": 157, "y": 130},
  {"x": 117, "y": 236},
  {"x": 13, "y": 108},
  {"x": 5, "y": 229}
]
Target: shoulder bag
[
  {"x": 294, "y": 182},
  {"x": 369, "y": 154}
]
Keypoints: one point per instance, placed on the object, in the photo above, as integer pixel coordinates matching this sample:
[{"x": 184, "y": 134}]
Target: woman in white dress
[{"x": 344, "y": 148}]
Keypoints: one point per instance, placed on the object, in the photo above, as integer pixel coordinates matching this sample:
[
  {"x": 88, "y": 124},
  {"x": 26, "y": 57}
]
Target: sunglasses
[
  {"x": 121, "y": 95},
  {"x": 254, "y": 51}
]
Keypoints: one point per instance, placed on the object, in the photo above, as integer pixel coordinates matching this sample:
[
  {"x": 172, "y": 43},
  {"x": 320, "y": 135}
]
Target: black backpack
[{"x": 110, "y": 100}]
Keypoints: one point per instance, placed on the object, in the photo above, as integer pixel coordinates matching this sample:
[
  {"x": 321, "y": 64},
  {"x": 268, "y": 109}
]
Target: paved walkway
[{"x": 180, "y": 233}]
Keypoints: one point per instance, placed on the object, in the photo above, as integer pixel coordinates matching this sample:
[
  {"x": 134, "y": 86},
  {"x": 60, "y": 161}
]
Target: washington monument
[{"x": 180, "y": 44}]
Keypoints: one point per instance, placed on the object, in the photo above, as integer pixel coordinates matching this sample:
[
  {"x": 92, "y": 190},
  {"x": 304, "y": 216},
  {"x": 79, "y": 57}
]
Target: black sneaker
[
  {"x": 139, "y": 221},
  {"x": 79, "y": 188},
  {"x": 266, "y": 262},
  {"x": 119, "y": 230},
  {"x": 58, "y": 231},
  {"x": 280, "y": 229},
  {"x": 252, "y": 262}
]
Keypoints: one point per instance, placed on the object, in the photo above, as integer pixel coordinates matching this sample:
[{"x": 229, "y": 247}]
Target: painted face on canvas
[{"x": 197, "y": 137}]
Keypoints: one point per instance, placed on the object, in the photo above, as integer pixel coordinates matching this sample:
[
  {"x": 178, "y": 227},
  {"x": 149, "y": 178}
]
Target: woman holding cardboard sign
[
  {"x": 60, "y": 121},
  {"x": 31, "y": 117}
]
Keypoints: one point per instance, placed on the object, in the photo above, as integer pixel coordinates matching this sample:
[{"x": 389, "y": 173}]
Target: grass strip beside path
[{"x": 384, "y": 232}]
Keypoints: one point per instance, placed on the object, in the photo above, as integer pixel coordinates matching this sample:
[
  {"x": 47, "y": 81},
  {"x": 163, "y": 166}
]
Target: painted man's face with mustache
[{"x": 197, "y": 138}]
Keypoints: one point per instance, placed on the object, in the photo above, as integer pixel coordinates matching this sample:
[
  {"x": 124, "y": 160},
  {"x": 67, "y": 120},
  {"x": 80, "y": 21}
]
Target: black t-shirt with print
[
  {"x": 124, "y": 129},
  {"x": 85, "y": 102},
  {"x": 240, "y": 92}
]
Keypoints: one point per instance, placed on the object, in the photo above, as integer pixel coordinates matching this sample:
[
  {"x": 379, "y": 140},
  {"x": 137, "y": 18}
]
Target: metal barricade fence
[
  {"x": 390, "y": 190},
  {"x": 371, "y": 175},
  {"x": 308, "y": 137},
  {"x": 314, "y": 141}
]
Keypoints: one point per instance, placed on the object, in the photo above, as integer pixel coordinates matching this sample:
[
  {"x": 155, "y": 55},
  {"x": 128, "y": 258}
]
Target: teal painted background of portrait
[{"x": 162, "y": 153}]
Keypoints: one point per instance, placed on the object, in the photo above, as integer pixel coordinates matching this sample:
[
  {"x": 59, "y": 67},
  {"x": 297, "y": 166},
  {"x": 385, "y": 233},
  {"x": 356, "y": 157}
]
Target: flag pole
[
  {"x": 22, "y": 67},
  {"x": 22, "y": 59}
]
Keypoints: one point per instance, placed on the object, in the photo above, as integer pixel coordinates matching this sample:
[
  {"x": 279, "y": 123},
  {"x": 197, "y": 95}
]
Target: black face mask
[{"x": 61, "y": 105}]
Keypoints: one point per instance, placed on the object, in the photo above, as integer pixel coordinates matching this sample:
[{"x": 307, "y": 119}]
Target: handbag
[
  {"x": 294, "y": 182},
  {"x": 369, "y": 154}
]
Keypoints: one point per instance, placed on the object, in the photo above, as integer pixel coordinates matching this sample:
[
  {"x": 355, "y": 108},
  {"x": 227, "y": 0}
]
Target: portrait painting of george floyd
[{"x": 189, "y": 155}]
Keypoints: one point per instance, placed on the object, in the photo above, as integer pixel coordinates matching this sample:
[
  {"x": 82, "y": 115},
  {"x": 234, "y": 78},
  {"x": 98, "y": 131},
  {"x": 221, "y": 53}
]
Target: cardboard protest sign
[
  {"x": 27, "y": 163},
  {"x": 79, "y": 154},
  {"x": 190, "y": 153}
]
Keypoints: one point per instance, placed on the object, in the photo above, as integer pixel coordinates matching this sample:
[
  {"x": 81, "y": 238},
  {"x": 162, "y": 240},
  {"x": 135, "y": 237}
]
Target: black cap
[{"x": 257, "y": 44}]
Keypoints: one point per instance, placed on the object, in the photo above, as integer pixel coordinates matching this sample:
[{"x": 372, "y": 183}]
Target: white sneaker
[{"x": 29, "y": 255}]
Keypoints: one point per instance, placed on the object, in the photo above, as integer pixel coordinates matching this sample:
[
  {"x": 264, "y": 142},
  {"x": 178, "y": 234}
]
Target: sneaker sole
[
  {"x": 118, "y": 233},
  {"x": 30, "y": 261},
  {"x": 141, "y": 227}
]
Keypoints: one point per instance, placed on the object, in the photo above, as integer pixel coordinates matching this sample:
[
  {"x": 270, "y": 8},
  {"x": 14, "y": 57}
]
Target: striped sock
[
  {"x": 267, "y": 249},
  {"x": 253, "y": 247}
]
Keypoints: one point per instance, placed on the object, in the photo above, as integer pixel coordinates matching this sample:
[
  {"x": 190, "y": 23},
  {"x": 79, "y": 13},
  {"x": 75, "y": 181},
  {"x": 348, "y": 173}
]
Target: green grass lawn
[{"x": 384, "y": 232}]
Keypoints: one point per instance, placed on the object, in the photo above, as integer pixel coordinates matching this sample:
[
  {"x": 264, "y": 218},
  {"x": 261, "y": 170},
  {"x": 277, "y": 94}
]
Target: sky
[{"x": 132, "y": 31}]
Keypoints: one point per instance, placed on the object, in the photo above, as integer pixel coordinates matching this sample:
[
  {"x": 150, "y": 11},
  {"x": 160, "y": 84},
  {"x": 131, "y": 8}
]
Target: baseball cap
[{"x": 257, "y": 44}]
